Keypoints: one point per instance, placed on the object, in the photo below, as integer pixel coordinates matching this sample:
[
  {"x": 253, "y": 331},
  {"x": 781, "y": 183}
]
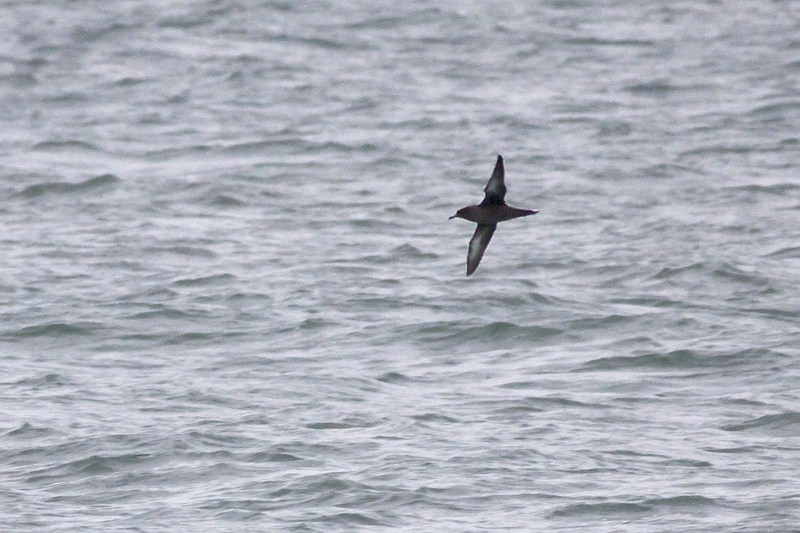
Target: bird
[{"x": 492, "y": 210}]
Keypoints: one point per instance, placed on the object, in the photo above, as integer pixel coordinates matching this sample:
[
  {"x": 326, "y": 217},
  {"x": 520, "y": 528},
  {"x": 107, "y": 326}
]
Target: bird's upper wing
[
  {"x": 496, "y": 188},
  {"x": 477, "y": 245}
]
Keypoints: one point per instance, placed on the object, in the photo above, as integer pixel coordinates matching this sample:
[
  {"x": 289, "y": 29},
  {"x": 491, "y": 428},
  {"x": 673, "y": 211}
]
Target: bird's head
[{"x": 461, "y": 213}]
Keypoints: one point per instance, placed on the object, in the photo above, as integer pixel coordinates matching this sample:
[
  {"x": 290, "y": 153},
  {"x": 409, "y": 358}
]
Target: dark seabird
[{"x": 492, "y": 209}]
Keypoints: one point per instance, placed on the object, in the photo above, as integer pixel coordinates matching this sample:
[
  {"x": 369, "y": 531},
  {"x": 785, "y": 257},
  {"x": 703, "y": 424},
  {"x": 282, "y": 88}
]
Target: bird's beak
[{"x": 452, "y": 217}]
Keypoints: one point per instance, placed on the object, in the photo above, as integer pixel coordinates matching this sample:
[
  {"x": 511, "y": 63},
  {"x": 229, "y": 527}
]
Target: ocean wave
[
  {"x": 585, "y": 510},
  {"x": 54, "y": 330},
  {"x": 686, "y": 359},
  {"x": 792, "y": 252},
  {"x": 182, "y": 249},
  {"x": 19, "y": 80},
  {"x": 92, "y": 185},
  {"x": 204, "y": 280},
  {"x": 785, "y": 424},
  {"x": 497, "y": 333}
]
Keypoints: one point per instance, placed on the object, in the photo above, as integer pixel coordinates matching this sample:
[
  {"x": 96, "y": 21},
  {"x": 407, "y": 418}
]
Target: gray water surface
[{"x": 232, "y": 300}]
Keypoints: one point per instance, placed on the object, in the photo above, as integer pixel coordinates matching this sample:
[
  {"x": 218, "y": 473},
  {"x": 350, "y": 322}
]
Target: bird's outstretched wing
[
  {"x": 496, "y": 188},
  {"x": 477, "y": 245}
]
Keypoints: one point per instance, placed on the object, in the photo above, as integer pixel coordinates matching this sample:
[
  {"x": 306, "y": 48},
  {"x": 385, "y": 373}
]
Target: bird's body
[
  {"x": 492, "y": 210},
  {"x": 491, "y": 214}
]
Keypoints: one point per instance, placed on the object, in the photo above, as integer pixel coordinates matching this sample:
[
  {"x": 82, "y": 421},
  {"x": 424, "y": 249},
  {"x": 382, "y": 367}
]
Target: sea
[{"x": 231, "y": 299}]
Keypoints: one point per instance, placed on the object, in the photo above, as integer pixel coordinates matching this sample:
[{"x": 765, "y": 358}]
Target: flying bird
[{"x": 487, "y": 214}]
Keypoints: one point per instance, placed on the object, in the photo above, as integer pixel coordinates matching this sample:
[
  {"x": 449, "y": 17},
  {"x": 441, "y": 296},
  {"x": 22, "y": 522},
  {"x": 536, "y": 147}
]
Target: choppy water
[{"x": 232, "y": 300}]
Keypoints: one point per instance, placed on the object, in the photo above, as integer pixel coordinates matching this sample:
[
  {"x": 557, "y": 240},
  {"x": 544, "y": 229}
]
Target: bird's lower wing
[{"x": 477, "y": 245}]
